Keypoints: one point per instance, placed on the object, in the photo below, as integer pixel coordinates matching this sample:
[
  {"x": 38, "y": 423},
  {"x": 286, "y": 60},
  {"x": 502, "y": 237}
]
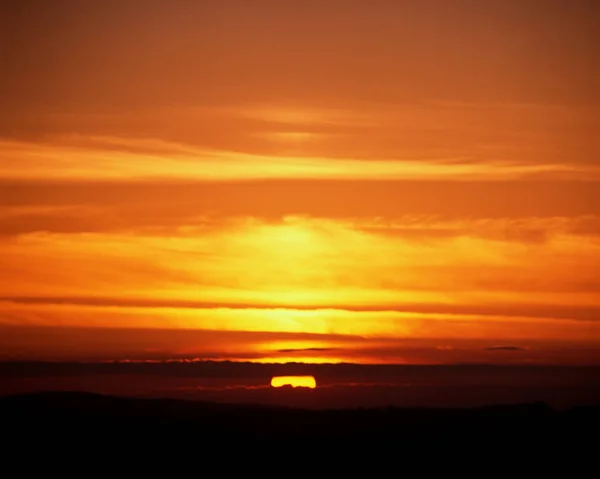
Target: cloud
[
  {"x": 445, "y": 311},
  {"x": 304, "y": 350},
  {"x": 222, "y": 388},
  {"x": 132, "y": 205},
  {"x": 184, "y": 217},
  {"x": 67, "y": 159},
  {"x": 449, "y": 132},
  {"x": 506, "y": 348},
  {"x": 524, "y": 229},
  {"x": 310, "y": 265},
  {"x": 189, "y": 352}
]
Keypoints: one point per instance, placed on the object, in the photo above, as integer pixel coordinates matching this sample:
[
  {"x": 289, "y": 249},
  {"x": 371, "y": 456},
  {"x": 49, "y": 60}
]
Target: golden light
[{"x": 294, "y": 381}]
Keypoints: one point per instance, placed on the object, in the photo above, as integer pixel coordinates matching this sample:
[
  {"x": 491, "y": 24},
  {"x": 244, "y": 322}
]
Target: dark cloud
[
  {"x": 506, "y": 348},
  {"x": 18, "y": 342},
  {"x": 302, "y": 350}
]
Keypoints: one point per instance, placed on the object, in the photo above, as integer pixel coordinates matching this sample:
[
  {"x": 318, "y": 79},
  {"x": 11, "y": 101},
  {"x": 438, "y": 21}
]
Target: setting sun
[{"x": 294, "y": 381}]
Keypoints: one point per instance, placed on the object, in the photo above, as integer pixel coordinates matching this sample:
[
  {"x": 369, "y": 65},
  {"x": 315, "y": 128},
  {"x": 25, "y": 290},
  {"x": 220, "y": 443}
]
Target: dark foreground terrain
[{"x": 79, "y": 417}]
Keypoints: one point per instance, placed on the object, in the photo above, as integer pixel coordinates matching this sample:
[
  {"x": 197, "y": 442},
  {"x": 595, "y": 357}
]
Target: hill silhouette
[{"x": 85, "y": 415}]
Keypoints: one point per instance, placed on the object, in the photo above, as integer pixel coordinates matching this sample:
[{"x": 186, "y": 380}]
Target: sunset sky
[{"x": 320, "y": 180}]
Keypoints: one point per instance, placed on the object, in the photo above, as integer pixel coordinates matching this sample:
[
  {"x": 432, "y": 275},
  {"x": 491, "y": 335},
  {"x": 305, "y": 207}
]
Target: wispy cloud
[
  {"x": 304, "y": 350},
  {"x": 506, "y": 348},
  {"x": 99, "y": 159}
]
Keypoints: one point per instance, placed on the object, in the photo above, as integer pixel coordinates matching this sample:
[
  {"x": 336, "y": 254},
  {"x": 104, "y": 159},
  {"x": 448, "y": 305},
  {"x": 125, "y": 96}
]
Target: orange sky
[{"x": 413, "y": 182}]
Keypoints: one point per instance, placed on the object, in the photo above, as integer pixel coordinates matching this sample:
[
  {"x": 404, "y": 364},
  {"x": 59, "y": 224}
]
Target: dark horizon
[{"x": 342, "y": 385}]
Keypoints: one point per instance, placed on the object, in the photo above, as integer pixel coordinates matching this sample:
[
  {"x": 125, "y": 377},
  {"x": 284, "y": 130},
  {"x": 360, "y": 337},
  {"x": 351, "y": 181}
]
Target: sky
[{"x": 411, "y": 182}]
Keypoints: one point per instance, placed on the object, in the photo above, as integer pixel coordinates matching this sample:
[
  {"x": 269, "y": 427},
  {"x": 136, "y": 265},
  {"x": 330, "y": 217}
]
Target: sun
[{"x": 294, "y": 381}]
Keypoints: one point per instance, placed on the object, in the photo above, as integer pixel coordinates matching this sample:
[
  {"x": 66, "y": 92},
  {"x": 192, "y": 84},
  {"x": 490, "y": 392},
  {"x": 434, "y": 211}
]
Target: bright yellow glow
[
  {"x": 294, "y": 381},
  {"x": 313, "y": 275}
]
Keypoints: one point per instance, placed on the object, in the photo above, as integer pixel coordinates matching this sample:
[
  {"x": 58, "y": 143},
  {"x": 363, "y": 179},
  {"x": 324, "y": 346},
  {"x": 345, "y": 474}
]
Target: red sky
[{"x": 413, "y": 182}]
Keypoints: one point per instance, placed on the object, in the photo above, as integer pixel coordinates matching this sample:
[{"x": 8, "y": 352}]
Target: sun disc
[{"x": 294, "y": 381}]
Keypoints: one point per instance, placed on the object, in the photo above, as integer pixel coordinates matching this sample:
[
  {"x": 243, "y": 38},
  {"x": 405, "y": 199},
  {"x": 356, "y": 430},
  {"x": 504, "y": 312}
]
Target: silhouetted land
[
  {"x": 85, "y": 416},
  {"x": 339, "y": 385}
]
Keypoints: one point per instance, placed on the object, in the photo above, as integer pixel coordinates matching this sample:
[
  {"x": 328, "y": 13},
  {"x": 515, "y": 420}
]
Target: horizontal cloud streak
[
  {"x": 140, "y": 348},
  {"x": 90, "y": 218},
  {"x": 451, "y": 131},
  {"x": 506, "y": 348},
  {"x": 167, "y": 206},
  {"x": 304, "y": 350},
  {"x": 67, "y": 160},
  {"x": 518, "y": 311}
]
